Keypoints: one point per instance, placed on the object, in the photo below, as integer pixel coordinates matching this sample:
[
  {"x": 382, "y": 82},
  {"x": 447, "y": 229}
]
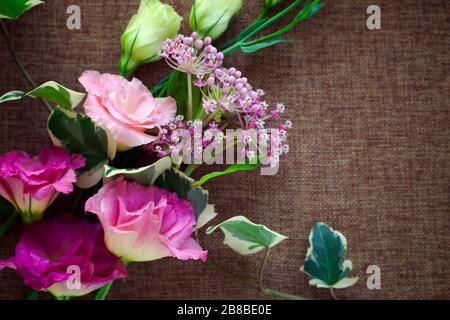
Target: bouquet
[{"x": 116, "y": 186}]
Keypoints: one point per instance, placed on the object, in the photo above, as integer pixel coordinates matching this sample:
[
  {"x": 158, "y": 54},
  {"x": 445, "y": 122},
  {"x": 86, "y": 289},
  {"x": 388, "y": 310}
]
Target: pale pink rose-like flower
[
  {"x": 31, "y": 184},
  {"x": 126, "y": 108},
  {"x": 145, "y": 223}
]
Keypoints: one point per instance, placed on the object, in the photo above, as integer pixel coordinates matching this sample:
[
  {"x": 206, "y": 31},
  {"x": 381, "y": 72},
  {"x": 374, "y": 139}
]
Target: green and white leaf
[
  {"x": 325, "y": 260},
  {"x": 13, "y": 9},
  {"x": 11, "y": 96},
  {"x": 231, "y": 169},
  {"x": 246, "y": 237},
  {"x": 50, "y": 91},
  {"x": 176, "y": 181},
  {"x": 90, "y": 178},
  {"x": 79, "y": 134},
  {"x": 145, "y": 175}
]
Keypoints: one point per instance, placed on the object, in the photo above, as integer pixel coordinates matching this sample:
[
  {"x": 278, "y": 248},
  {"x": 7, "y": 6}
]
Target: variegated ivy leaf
[
  {"x": 79, "y": 134},
  {"x": 50, "y": 91},
  {"x": 90, "y": 178},
  {"x": 13, "y": 9},
  {"x": 176, "y": 181},
  {"x": 11, "y": 96},
  {"x": 145, "y": 175},
  {"x": 246, "y": 237},
  {"x": 325, "y": 260}
]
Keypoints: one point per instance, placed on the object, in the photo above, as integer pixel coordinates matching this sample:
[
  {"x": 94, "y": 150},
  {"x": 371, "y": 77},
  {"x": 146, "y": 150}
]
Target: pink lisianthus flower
[
  {"x": 126, "y": 108},
  {"x": 65, "y": 256},
  {"x": 31, "y": 184},
  {"x": 145, "y": 223}
]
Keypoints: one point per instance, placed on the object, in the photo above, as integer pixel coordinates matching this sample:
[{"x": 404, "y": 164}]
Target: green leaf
[
  {"x": 231, "y": 169},
  {"x": 13, "y": 9},
  {"x": 246, "y": 237},
  {"x": 177, "y": 88},
  {"x": 11, "y": 96},
  {"x": 325, "y": 261},
  {"x": 176, "y": 181},
  {"x": 144, "y": 175},
  {"x": 50, "y": 91},
  {"x": 250, "y": 48},
  {"x": 79, "y": 134}
]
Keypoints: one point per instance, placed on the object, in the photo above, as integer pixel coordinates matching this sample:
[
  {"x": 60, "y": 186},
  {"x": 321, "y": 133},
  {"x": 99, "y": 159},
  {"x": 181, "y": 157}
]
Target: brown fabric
[{"x": 370, "y": 147}]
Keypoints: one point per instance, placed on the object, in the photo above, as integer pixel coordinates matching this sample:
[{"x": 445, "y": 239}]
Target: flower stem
[
  {"x": 333, "y": 294},
  {"x": 279, "y": 294},
  {"x": 189, "y": 80},
  {"x": 18, "y": 61},
  {"x": 247, "y": 282},
  {"x": 102, "y": 293},
  {"x": 261, "y": 271},
  {"x": 242, "y": 280},
  {"x": 9, "y": 223},
  {"x": 33, "y": 295},
  {"x": 190, "y": 168}
]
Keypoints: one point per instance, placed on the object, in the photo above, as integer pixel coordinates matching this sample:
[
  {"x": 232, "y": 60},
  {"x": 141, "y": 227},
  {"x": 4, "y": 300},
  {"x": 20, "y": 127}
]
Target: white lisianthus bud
[
  {"x": 211, "y": 17},
  {"x": 148, "y": 28}
]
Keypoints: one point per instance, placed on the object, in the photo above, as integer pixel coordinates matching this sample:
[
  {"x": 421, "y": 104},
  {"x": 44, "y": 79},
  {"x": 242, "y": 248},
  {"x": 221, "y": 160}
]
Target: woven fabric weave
[{"x": 370, "y": 147}]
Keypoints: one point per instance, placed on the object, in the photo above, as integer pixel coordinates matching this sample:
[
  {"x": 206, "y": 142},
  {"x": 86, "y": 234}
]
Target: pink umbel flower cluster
[
  {"x": 145, "y": 223},
  {"x": 227, "y": 93},
  {"x": 31, "y": 184},
  {"x": 229, "y": 102},
  {"x": 51, "y": 251},
  {"x": 191, "y": 55},
  {"x": 170, "y": 140}
]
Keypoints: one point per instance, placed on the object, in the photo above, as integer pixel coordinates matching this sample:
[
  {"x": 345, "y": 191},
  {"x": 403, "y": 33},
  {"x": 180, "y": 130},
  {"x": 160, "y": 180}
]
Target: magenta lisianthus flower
[
  {"x": 126, "y": 108},
  {"x": 145, "y": 223},
  {"x": 50, "y": 253},
  {"x": 31, "y": 184}
]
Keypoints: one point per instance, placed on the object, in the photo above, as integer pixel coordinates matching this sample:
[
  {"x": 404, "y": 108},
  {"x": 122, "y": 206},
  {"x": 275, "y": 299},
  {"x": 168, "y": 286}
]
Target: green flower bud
[
  {"x": 148, "y": 28},
  {"x": 211, "y": 17}
]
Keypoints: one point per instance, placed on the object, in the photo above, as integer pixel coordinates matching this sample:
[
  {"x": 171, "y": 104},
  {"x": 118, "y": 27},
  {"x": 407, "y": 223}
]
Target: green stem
[
  {"x": 190, "y": 168},
  {"x": 261, "y": 271},
  {"x": 302, "y": 15},
  {"x": 333, "y": 294},
  {"x": 271, "y": 20},
  {"x": 257, "y": 27},
  {"x": 102, "y": 293},
  {"x": 18, "y": 61},
  {"x": 33, "y": 295},
  {"x": 189, "y": 83},
  {"x": 247, "y": 282},
  {"x": 279, "y": 294},
  {"x": 242, "y": 280},
  {"x": 9, "y": 223},
  {"x": 246, "y": 31}
]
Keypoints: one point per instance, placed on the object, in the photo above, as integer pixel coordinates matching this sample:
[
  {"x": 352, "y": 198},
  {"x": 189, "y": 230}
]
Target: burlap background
[{"x": 370, "y": 144}]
